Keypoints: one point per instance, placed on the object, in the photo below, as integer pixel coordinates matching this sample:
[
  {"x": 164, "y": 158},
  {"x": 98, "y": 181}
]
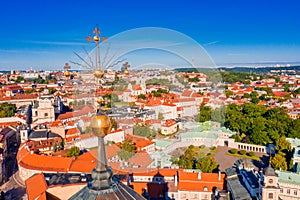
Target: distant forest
[{"x": 259, "y": 70}]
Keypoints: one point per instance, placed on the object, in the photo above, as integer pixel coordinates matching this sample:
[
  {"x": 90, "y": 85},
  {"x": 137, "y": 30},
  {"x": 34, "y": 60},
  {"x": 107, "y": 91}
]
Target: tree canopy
[
  {"x": 192, "y": 160},
  {"x": 260, "y": 124},
  {"x": 143, "y": 130},
  {"x": 127, "y": 149},
  {"x": 7, "y": 109},
  {"x": 73, "y": 151}
]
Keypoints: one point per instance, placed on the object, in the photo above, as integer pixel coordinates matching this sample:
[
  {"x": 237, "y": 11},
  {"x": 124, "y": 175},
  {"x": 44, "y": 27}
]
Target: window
[
  {"x": 288, "y": 191},
  {"x": 46, "y": 114},
  {"x": 295, "y": 192},
  {"x": 195, "y": 196},
  {"x": 270, "y": 196},
  {"x": 281, "y": 190}
]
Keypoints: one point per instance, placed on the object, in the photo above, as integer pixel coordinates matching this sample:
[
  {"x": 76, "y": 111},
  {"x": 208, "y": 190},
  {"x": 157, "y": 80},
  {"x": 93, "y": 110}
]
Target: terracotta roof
[
  {"x": 249, "y": 89},
  {"x": 140, "y": 142},
  {"x": 152, "y": 121},
  {"x": 139, "y": 186},
  {"x": 84, "y": 163},
  {"x": 169, "y": 123},
  {"x": 187, "y": 93},
  {"x": 142, "y": 160},
  {"x": 189, "y": 181},
  {"x": 57, "y": 123},
  {"x": 72, "y": 131},
  {"x": 77, "y": 113},
  {"x": 262, "y": 103},
  {"x": 111, "y": 151},
  {"x": 136, "y": 87},
  {"x": 36, "y": 187},
  {"x": 280, "y": 94},
  {"x": 20, "y": 97},
  {"x": 42, "y": 162},
  {"x": 126, "y": 121}
]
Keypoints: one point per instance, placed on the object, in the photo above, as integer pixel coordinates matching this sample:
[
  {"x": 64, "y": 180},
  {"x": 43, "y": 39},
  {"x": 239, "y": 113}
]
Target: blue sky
[{"x": 44, "y": 34}]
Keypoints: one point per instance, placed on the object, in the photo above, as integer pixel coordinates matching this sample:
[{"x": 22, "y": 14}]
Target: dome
[{"x": 116, "y": 191}]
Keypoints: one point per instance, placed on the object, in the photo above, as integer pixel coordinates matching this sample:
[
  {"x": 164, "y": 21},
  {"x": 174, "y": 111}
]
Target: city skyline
[{"x": 45, "y": 34}]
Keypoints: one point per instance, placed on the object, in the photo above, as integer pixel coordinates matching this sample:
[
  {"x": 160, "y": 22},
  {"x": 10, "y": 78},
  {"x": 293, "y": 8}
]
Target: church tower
[{"x": 270, "y": 188}]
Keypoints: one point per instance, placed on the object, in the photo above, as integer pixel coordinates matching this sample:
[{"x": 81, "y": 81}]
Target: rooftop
[
  {"x": 288, "y": 177},
  {"x": 162, "y": 143},
  {"x": 199, "y": 133},
  {"x": 36, "y": 187},
  {"x": 294, "y": 141}
]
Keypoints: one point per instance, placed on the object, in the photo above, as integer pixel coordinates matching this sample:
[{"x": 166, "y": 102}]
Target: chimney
[
  {"x": 199, "y": 175},
  {"x": 219, "y": 177},
  {"x": 176, "y": 180}
]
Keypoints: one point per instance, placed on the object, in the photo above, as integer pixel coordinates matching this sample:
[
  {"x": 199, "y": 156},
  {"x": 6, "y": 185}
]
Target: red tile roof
[
  {"x": 36, "y": 187},
  {"x": 189, "y": 181},
  {"x": 169, "y": 123},
  {"x": 72, "y": 131},
  {"x": 143, "y": 160},
  {"x": 42, "y": 162}
]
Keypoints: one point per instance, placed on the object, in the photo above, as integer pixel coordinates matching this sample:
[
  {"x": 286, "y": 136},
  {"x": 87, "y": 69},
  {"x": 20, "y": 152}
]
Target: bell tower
[{"x": 270, "y": 188}]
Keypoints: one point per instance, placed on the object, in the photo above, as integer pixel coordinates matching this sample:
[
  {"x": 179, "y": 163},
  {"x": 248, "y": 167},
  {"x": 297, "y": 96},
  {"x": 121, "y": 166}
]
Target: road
[{"x": 14, "y": 188}]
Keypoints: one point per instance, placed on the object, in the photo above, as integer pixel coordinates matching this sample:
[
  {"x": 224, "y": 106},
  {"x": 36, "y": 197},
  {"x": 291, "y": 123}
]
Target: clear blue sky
[{"x": 44, "y": 33}]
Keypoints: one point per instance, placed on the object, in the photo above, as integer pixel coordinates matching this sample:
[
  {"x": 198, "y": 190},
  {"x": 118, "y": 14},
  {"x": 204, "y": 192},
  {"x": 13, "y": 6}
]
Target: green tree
[
  {"x": 142, "y": 96},
  {"x": 125, "y": 155},
  {"x": 228, "y": 93},
  {"x": 218, "y": 114},
  {"x": 52, "y": 90},
  {"x": 40, "y": 80},
  {"x": 207, "y": 164},
  {"x": 143, "y": 130},
  {"x": 279, "y": 162},
  {"x": 160, "y": 116},
  {"x": 29, "y": 91},
  {"x": 282, "y": 144},
  {"x": 247, "y": 96},
  {"x": 205, "y": 113},
  {"x": 7, "y": 109},
  {"x": 187, "y": 160},
  {"x": 20, "y": 79},
  {"x": 127, "y": 149},
  {"x": 73, "y": 151}
]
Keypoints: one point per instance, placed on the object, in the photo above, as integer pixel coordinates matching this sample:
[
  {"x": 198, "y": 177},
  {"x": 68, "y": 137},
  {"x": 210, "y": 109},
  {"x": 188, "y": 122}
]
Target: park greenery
[
  {"x": 73, "y": 151},
  {"x": 283, "y": 157},
  {"x": 255, "y": 124},
  {"x": 127, "y": 149},
  {"x": 7, "y": 109},
  {"x": 192, "y": 159},
  {"x": 143, "y": 130},
  {"x": 160, "y": 81}
]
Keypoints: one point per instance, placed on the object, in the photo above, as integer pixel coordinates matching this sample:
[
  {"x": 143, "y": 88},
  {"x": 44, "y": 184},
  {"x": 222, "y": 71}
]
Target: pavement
[
  {"x": 226, "y": 161},
  {"x": 14, "y": 188}
]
